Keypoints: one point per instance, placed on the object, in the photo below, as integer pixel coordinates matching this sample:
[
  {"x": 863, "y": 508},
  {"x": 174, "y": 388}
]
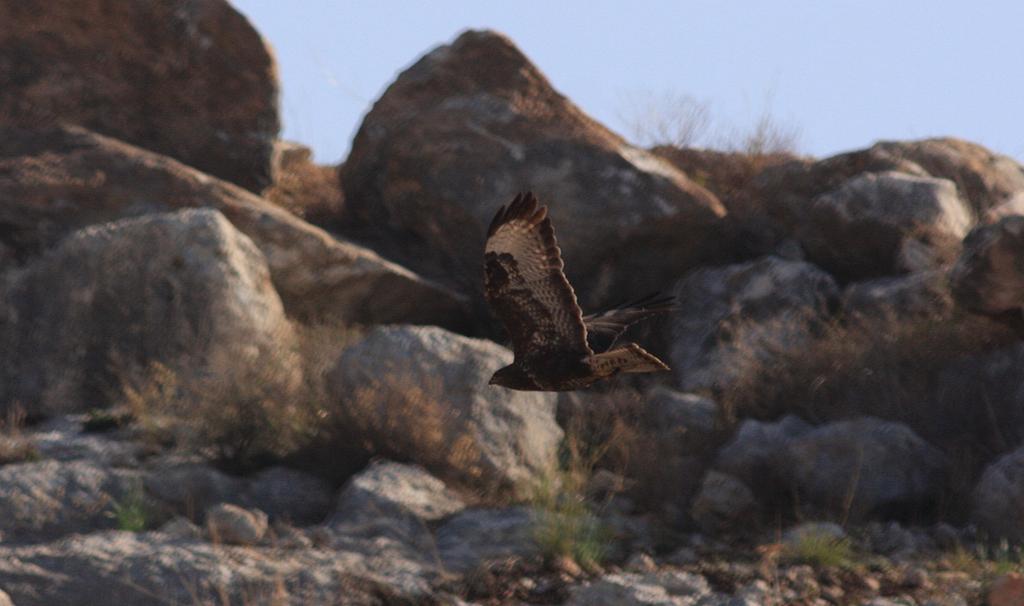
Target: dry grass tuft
[{"x": 14, "y": 446}]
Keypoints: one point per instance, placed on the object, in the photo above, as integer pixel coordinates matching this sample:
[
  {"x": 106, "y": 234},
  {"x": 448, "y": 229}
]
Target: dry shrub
[
  {"x": 928, "y": 373},
  {"x": 667, "y": 119},
  {"x": 14, "y": 446},
  {"x": 399, "y": 417},
  {"x": 307, "y": 190},
  {"x": 612, "y": 430},
  {"x": 245, "y": 407}
]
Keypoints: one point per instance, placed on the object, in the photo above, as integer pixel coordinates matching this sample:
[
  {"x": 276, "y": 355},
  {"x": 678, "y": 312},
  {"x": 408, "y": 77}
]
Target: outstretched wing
[
  {"x": 525, "y": 285},
  {"x": 604, "y": 328}
]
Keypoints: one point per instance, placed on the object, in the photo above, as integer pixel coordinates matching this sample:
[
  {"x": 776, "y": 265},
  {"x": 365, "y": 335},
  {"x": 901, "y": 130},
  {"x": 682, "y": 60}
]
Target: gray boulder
[
  {"x": 394, "y": 500},
  {"x": 879, "y": 224},
  {"x": 473, "y": 537},
  {"x": 755, "y": 451},
  {"x": 47, "y": 499},
  {"x": 386, "y": 487},
  {"x": 686, "y": 415},
  {"x": 735, "y": 318},
  {"x": 989, "y": 275},
  {"x": 421, "y": 393},
  {"x": 289, "y": 495},
  {"x": 184, "y": 289},
  {"x": 863, "y": 467},
  {"x": 998, "y": 498}
]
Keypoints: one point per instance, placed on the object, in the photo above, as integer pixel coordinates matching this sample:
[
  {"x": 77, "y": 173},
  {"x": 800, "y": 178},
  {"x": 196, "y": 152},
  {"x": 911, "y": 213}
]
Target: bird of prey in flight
[{"x": 552, "y": 340}]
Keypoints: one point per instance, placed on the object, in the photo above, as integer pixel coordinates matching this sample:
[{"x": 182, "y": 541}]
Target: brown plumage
[{"x": 527, "y": 289}]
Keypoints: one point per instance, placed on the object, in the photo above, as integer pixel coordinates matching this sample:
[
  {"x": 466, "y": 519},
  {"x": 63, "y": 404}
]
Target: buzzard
[{"x": 527, "y": 289}]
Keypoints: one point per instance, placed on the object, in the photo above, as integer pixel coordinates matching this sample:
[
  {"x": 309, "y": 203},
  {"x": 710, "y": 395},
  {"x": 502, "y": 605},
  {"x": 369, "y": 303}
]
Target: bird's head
[{"x": 512, "y": 377}]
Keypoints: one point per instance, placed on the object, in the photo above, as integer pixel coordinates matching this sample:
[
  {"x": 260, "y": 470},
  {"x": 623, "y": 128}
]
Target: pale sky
[{"x": 843, "y": 73}]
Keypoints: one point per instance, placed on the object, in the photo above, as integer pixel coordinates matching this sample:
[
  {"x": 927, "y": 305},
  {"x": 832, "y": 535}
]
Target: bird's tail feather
[{"x": 628, "y": 358}]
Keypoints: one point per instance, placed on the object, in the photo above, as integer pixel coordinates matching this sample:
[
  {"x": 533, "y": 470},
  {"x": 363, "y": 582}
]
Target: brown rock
[
  {"x": 469, "y": 125},
  {"x": 989, "y": 275},
  {"x": 189, "y": 79},
  {"x": 1007, "y": 590},
  {"x": 58, "y": 180}
]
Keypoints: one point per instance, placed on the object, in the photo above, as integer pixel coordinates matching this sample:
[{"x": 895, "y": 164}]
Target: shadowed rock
[{"x": 190, "y": 79}]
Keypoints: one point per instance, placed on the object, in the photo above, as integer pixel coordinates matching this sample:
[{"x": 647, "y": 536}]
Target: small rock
[
  {"x": 234, "y": 525},
  {"x": 641, "y": 562},
  {"x": 870, "y": 583},
  {"x": 567, "y": 565},
  {"x": 1007, "y": 590},
  {"x": 181, "y": 528},
  {"x": 833, "y": 593},
  {"x": 916, "y": 577}
]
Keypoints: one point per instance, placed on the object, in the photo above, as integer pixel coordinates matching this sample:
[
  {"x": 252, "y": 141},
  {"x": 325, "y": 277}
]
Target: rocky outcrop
[
  {"x": 998, "y": 499},
  {"x": 884, "y": 223},
  {"x": 46, "y": 499},
  {"x": 186, "y": 290},
  {"x": 984, "y": 179},
  {"x": 189, "y": 79},
  {"x": 862, "y": 468},
  {"x": 469, "y": 125},
  {"x": 421, "y": 394},
  {"x": 130, "y": 568},
  {"x": 56, "y": 181},
  {"x": 732, "y": 319},
  {"x": 989, "y": 275}
]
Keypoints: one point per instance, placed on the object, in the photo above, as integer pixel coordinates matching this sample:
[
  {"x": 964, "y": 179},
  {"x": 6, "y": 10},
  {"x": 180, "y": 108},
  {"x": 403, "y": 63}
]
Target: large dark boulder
[{"x": 190, "y": 79}]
